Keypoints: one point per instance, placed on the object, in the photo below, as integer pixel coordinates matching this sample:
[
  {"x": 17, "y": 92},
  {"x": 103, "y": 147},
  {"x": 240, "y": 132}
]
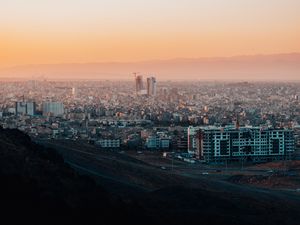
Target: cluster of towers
[{"x": 150, "y": 88}]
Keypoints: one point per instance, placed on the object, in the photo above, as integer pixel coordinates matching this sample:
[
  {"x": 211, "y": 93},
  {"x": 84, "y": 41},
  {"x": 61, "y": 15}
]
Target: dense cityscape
[
  {"x": 150, "y": 112},
  {"x": 147, "y": 114}
]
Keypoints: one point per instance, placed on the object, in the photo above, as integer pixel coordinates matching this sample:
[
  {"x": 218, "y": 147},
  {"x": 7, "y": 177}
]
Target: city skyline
[{"x": 150, "y": 112}]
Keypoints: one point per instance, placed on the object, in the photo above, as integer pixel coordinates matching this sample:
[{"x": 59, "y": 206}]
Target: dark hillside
[{"x": 37, "y": 187}]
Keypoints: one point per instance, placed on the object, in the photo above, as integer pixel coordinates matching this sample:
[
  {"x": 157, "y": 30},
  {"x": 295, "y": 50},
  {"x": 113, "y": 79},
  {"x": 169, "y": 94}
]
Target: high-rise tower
[
  {"x": 151, "y": 86},
  {"x": 138, "y": 83}
]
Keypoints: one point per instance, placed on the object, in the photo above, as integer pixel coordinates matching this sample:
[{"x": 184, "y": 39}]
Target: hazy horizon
[
  {"x": 252, "y": 67},
  {"x": 154, "y": 60},
  {"x": 191, "y": 39}
]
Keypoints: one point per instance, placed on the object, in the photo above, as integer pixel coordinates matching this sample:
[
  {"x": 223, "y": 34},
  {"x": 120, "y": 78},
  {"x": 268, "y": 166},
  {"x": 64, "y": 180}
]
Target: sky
[{"x": 65, "y": 31}]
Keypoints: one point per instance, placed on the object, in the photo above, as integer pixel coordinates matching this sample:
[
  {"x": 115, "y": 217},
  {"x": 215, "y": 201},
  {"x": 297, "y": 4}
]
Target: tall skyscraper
[
  {"x": 53, "y": 108},
  {"x": 139, "y": 86},
  {"x": 151, "y": 86}
]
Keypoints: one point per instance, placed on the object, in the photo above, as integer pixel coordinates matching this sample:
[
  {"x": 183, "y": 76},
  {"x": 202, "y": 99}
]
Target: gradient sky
[{"x": 60, "y": 31}]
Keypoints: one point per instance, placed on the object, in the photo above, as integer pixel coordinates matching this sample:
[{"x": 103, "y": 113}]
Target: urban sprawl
[{"x": 206, "y": 121}]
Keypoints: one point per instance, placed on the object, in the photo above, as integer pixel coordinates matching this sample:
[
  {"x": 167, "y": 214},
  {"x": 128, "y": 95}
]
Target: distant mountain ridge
[{"x": 247, "y": 67}]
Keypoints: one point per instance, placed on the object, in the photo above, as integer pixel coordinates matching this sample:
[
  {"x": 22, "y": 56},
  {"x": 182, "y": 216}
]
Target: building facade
[
  {"x": 192, "y": 138},
  {"x": 251, "y": 143},
  {"x": 53, "y": 108},
  {"x": 151, "y": 86},
  {"x": 109, "y": 143},
  {"x": 25, "y": 108},
  {"x": 139, "y": 85},
  {"x": 157, "y": 142}
]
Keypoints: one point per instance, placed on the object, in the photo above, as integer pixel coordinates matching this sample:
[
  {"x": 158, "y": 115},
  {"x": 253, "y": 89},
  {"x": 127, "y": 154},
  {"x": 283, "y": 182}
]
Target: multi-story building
[
  {"x": 157, "y": 142},
  {"x": 151, "y": 86},
  {"x": 152, "y": 142},
  {"x": 139, "y": 85},
  {"x": 253, "y": 143},
  {"x": 109, "y": 143},
  {"x": 25, "y": 108},
  {"x": 53, "y": 108},
  {"x": 192, "y": 138}
]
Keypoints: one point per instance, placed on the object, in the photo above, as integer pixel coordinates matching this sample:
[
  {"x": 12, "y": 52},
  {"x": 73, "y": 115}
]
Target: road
[{"x": 124, "y": 173}]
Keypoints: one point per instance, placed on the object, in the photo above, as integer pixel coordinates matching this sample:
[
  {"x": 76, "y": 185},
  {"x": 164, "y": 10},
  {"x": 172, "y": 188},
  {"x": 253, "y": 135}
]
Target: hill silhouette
[{"x": 38, "y": 187}]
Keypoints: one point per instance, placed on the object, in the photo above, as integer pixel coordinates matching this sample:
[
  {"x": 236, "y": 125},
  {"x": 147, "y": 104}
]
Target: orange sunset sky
[{"x": 64, "y": 31}]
